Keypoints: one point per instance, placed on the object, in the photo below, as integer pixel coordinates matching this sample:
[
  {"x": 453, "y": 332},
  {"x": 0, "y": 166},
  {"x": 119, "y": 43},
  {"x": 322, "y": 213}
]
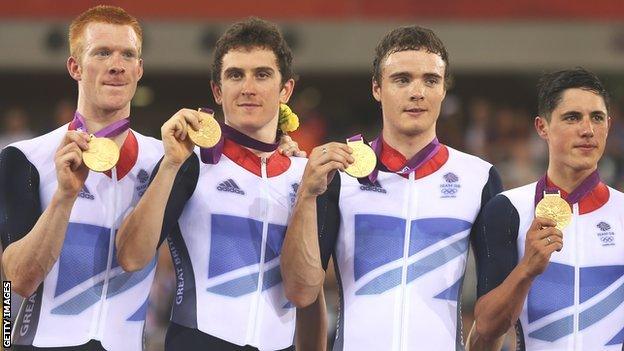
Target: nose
[
  {"x": 248, "y": 87},
  {"x": 117, "y": 65},
  {"x": 587, "y": 128},
  {"x": 417, "y": 91}
]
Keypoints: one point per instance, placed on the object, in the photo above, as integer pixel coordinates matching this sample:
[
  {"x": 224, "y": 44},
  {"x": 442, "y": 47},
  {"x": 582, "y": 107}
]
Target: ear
[
  {"x": 376, "y": 88},
  {"x": 541, "y": 126},
  {"x": 140, "y": 69},
  {"x": 287, "y": 91},
  {"x": 216, "y": 92},
  {"x": 74, "y": 69}
]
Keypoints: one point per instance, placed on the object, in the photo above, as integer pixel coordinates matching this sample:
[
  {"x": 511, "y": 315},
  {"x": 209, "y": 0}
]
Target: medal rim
[
  {"x": 206, "y": 122},
  {"x": 543, "y": 204}
]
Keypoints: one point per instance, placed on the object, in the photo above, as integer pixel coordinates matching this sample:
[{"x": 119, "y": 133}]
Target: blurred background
[{"x": 497, "y": 51}]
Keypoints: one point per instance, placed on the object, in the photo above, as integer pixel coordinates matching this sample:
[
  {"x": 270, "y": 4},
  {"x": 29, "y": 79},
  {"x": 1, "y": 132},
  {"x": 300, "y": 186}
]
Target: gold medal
[
  {"x": 209, "y": 132},
  {"x": 365, "y": 159},
  {"x": 102, "y": 155},
  {"x": 552, "y": 206}
]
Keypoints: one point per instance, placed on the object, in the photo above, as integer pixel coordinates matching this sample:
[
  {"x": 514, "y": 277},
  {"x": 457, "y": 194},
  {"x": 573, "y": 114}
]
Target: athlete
[
  {"x": 399, "y": 238},
  {"x": 563, "y": 289},
  {"x": 58, "y": 219},
  {"x": 224, "y": 210}
]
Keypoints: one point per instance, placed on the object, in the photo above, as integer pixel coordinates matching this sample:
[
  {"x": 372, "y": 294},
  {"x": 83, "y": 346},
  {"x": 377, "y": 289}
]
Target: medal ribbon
[
  {"x": 112, "y": 130},
  {"x": 575, "y": 196},
  {"x": 411, "y": 165},
  {"x": 213, "y": 154}
]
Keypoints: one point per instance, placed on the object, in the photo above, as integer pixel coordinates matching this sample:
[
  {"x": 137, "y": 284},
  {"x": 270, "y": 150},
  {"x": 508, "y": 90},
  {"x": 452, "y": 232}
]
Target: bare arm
[
  {"x": 301, "y": 264},
  {"x": 312, "y": 326},
  {"x": 499, "y": 309},
  {"x": 27, "y": 261},
  {"x": 138, "y": 237}
]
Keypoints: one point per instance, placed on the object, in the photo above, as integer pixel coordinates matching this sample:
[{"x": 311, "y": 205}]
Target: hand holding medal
[
  {"x": 103, "y": 153},
  {"x": 209, "y": 133}
]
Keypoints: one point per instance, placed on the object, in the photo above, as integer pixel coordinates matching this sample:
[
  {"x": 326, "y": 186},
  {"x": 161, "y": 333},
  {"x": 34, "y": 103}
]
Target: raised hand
[
  {"x": 322, "y": 165},
  {"x": 178, "y": 146},
  {"x": 71, "y": 172}
]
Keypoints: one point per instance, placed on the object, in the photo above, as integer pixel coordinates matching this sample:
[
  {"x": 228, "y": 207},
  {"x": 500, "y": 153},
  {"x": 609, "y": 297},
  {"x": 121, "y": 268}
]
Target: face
[
  {"x": 109, "y": 67},
  {"x": 577, "y": 131},
  {"x": 251, "y": 89},
  {"x": 411, "y": 92}
]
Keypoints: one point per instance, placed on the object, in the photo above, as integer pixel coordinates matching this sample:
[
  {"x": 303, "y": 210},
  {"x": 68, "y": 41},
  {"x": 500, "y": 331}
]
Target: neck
[
  {"x": 408, "y": 145},
  {"x": 97, "y": 119},
  {"x": 265, "y": 134},
  {"x": 566, "y": 178}
]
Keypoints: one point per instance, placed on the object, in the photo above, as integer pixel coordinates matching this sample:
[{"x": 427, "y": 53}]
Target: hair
[
  {"x": 410, "y": 38},
  {"x": 100, "y": 14},
  {"x": 253, "y": 33},
  {"x": 551, "y": 87}
]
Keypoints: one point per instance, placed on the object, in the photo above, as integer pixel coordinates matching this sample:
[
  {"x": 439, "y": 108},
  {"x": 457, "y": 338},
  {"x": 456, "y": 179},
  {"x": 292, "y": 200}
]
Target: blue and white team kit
[
  {"x": 86, "y": 296},
  {"x": 400, "y": 244},
  {"x": 578, "y": 302},
  {"x": 225, "y": 224}
]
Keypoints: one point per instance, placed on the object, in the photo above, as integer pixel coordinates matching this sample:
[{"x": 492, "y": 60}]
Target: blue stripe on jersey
[
  {"x": 602, "y": 308},
  {"x": 378, "y": 241},
  {"x": 596, "y": 279},
  {"x": 235, "y": 242},
  {"x": 428, "y": 231},
  {"x": 139, "y": 314},
  {"x": 551, "y": 291},
  {"x": 392, "y": 278},
  {"x": 452, "y": 293},
  {"x": 116, "y": 285},
  {"x": 554, "y": 330},
  {"x": 617, "y": 339},
  {"x": 83, "y": 256},
  {"x": 237, "y": 287}
]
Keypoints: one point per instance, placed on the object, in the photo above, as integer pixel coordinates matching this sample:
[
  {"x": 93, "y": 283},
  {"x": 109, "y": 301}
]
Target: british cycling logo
[
  {"x": 606, "y": 235},
  {"x": 450, "y": 186}
]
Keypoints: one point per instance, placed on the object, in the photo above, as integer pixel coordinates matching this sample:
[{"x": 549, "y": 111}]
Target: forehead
[
  {"x": 582, "y": 100},
  {"x": 414, "y": 61},
  {"x": 249, "y": 58},
  {"x": 110, "y": 35}
]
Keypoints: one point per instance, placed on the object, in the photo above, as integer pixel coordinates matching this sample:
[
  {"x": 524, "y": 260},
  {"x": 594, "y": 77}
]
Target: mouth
[
  {"x": 586, "y": 147},
  {"x": 416, "y": 111},
  {"x": 248, "y": 104},
  {"x": 115, "y": 84}
]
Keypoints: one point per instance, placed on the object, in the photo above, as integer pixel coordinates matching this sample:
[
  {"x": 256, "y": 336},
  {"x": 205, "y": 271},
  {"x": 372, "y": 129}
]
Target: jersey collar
[
  {"x": 276, "y": 164},
  {"x": 394, "y": 161}
]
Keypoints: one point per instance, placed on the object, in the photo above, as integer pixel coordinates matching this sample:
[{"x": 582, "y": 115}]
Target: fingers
[
  {"x": 81, "y": 139},
  {"x": 332, "y": 152},
  {"x": 549, "y": 231},
  {"x": 540, "y": 222},
  {"x": 70, "y": 155},
  {"x": 179, "y": 123}
]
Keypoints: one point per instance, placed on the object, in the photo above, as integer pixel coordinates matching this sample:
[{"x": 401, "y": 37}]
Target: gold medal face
[
  {"x": 552, "y": 206},
  {"x": 365, "y": 159},
  {"x": 208, "y": 134},
  {"x": 102, "y": 155}
]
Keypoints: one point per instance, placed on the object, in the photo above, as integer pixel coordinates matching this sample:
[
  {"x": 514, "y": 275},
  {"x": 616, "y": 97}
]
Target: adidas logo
[
  {"x": 374, "y": 187},
  {"x": 85, "y": 193},
  {"x": 230, "y": 186}
]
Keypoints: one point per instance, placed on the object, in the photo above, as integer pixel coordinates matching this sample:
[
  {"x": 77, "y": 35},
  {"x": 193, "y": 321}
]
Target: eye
[
  {"x": 102, "y": 53},
  {"x": 432, "y": 81},
  {"x": 570, "y": 117},
  {"x": 598, "y": 118},
  {"x": 401, "y": 80},
  {"x": 234, "y": 75},
  {"x": 129, "y": 54},
  {"x": 263, "y": 75}
]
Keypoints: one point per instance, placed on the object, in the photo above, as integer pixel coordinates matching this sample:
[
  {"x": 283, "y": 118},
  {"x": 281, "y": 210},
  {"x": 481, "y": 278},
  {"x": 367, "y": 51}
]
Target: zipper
[
  {"x": 406, "y": 245},
  {"x": 575, "y": 211},
  {"x": 109, "y": 262},
  {"x": 254, "y": 313}
]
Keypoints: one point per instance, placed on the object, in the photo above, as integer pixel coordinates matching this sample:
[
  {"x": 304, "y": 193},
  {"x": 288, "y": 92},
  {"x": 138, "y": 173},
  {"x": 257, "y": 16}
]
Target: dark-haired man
[
  {"x": 399, "y": 238},
  {"x": 224, "y": 210},
  {"x": 562, "y": 289}
]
